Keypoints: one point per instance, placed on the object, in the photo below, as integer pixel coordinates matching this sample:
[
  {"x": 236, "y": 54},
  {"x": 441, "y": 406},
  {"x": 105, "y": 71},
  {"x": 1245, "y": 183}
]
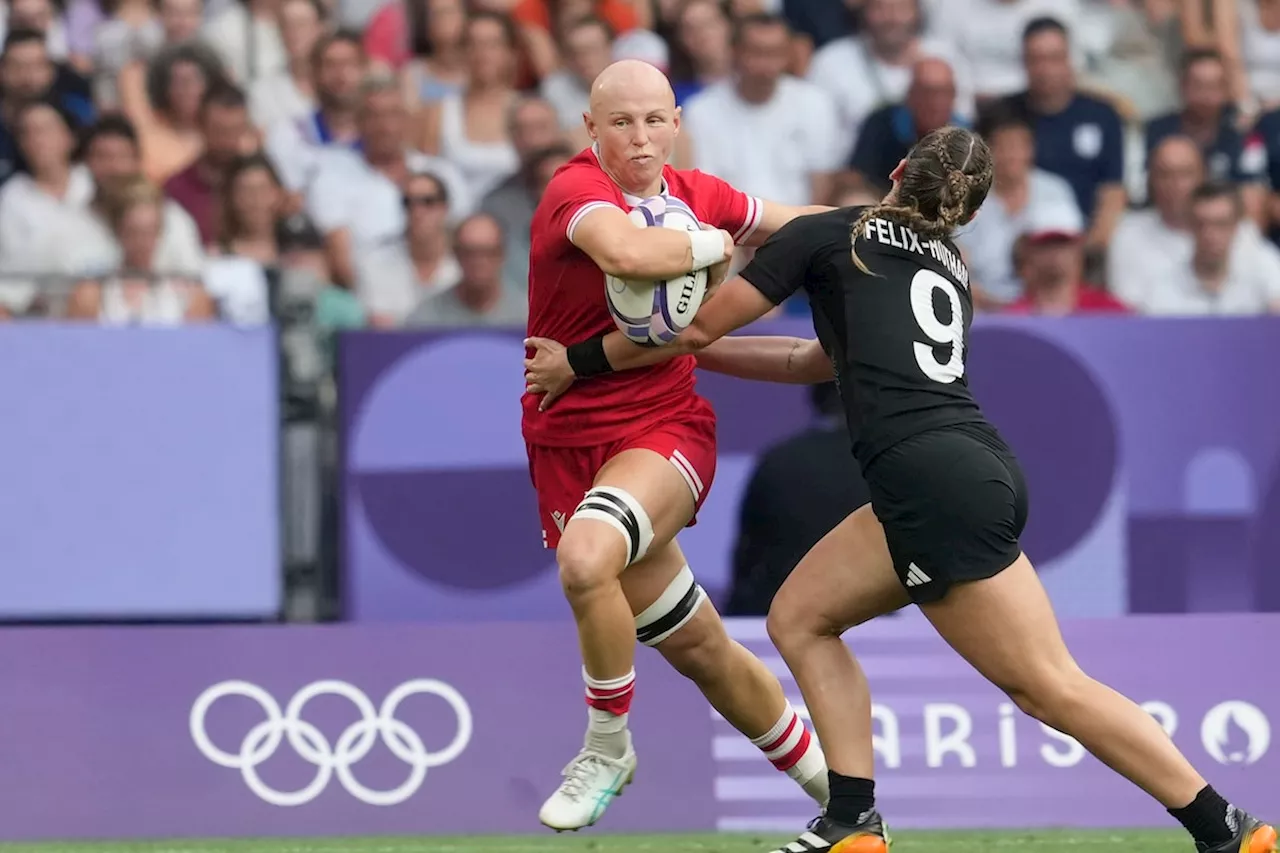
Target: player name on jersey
[{"x": 902, "y": 237}]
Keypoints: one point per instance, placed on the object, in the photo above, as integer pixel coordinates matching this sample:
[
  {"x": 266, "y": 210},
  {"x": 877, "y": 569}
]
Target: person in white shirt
[
  {"x": 795, "y": 147},
  {"x": 872, "y": 69},
  {"x": 247, "y": 37},
  {"x": 586, "y": 46},
  {"x": 36, "y": 207},
  {"x": 1149, "y": 245},
  {"x": 356, "y": 200},
  {"x": 481, "y": 297},
  {"x": 1229, "y": 273},
  {"x": 294, "y": 145},
  {"x": 396, "y": 276},
  {"x": 289, "y": 94},
  {"x": 1019, "y": 194},
  {"x": 112, "y": 157},
  {"x": 988, "y": 35}
]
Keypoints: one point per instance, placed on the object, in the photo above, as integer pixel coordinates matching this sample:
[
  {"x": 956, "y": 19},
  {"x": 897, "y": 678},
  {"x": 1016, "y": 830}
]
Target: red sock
[{"x": 612, "y": 695}]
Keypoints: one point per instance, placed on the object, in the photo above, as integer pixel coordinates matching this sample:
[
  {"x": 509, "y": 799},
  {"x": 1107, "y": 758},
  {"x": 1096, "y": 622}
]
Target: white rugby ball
[{"x": 653, "y": 313}]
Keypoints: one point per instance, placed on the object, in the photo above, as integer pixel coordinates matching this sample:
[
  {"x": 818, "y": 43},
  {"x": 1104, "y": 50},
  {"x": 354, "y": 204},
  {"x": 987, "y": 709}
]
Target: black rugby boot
[
  {"x": 824, "y": 835},
  {"x": 1252, "y": 836}
]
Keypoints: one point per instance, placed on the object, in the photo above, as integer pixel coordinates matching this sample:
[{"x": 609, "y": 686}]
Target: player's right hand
[
  {"x": 548, "y": 373},
  {"x": 728, "y": 240}
]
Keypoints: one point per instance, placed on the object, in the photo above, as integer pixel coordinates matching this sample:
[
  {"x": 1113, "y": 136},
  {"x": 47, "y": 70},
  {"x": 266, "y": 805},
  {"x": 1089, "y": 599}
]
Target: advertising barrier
[
  {"x": 125, "y": 732},
  {"x": 1150, "y": 448},
  {"x": 140, "y": 473}
]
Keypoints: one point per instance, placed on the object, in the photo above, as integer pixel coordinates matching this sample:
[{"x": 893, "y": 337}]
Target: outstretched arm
[{"x": 769, "y": 359}]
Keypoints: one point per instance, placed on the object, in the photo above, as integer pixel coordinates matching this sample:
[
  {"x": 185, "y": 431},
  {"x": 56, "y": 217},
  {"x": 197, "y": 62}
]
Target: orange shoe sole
[
  {"x": 1263, "y": 840},
  {"x": 869, "y": 844}
]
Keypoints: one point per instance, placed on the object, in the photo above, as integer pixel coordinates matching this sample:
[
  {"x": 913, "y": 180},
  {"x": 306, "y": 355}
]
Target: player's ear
[
  {"x": 590, "y": 126},
  {"x": 896, "y": 174},
  {"x": 675, "y": 118}
]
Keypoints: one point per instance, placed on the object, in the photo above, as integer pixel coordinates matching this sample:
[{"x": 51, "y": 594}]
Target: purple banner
[
  {"x": 1151, "y": 450},
  {"x": 141, "y": 473},
  {"x": 463, "y": 729}
]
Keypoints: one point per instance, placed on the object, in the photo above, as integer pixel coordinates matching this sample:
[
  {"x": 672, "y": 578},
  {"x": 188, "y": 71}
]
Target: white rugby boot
[{"x": 591, "y": 781}]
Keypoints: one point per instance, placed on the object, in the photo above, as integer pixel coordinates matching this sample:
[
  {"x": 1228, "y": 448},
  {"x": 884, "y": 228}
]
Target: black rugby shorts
[{"x": 953, "y": 503}]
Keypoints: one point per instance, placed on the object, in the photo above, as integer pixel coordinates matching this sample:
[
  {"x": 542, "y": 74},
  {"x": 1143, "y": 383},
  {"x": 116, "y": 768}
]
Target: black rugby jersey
[{"x": 898, "y": 338}]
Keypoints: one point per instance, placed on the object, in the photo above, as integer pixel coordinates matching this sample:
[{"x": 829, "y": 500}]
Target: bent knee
[
  {"x": 589, "y": 560},
  {"x": 792, "y": 624}
]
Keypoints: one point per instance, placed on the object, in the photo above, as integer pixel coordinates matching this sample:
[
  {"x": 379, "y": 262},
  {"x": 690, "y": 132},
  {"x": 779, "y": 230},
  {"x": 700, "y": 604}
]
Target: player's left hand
[{"x": 548, "y": 373}]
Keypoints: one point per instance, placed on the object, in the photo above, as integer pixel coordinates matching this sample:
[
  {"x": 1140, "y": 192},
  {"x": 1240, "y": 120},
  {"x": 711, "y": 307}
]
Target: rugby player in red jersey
[{"x": 622, "y": 464}]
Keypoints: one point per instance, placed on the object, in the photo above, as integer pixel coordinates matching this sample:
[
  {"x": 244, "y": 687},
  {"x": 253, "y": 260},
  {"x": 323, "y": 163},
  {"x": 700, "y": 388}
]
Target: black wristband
[{"x": 588, "y": 359}]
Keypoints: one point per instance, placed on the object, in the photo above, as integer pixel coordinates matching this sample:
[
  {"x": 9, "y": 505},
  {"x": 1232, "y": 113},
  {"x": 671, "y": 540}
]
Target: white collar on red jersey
[{"x": 630, "y": 199}]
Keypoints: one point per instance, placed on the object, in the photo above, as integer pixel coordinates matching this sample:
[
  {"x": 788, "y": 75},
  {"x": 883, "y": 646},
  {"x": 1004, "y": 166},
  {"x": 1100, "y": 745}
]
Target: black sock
[
  {"x": 1205, "y": 818},
  {"x": 850, "y": 798}
]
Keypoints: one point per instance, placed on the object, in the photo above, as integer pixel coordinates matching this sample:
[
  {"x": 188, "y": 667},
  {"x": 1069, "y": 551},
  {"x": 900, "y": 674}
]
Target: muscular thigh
[{"x": 844, "y": 580}]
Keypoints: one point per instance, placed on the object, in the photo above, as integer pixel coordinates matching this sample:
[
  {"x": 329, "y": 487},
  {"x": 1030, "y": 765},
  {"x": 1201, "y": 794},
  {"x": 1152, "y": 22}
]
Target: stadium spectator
[
  {"x": 132, "y": 33},
  {"x": 138, "y": 294},
  {"x": 437, "y": 66},
  {"x": 112, "y": 156},
  {"x": 1077, "y": 136},
  {"x": 539, "y": 19},
  {"x": 821, "y": 21},
  {"x": 1018, "y": 193},
  {"x": 294, "y": 145},
  {"x": 395, "y": 277},
  {"x": 873, "y": 69},
  {"x": 1208, "y": 117},
  {"x": 470, "y": 128},
  {"x": 702, "y": 48},
  {"x": 226, "y": 134},
  {"x": 1249, "y": 32},
  {"x": 45, "y": 18},
  {"x": 1267, "y": 133},
  {"x": 481, "y": 296},
  {"x": 1049, "y": 257},
  {"x": 534, "y": 129},
  {"x": 36, "y": 208},
  {"x": 246, "y": 34},
  {"x": 357, "y": 200},
  {"x": 1149, "y": 245},
  {"x": 167, "y": 116},
  {"x": 27, "y": 73},
  {"x": 1133, "y": 49},
  {"x": 125, "y": 51},
  {"x": 794, "y": 148},
  {"x": 289, "y": 94},
  {"x": 989, "y": 34},
  {"x": 890, "y": 132},
  {"x": 799, "y": 490},
  {"x": 586, "y": 46},
  {"x": 1231, "y": 272}
]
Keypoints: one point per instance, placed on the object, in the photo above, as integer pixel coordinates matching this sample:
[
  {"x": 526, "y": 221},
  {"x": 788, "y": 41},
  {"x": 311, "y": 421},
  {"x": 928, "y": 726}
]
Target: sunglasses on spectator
[{"x": 411, "y": 201}]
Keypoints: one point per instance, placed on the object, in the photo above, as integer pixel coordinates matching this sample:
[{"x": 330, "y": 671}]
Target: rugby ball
[{"x": 653, "y": 313}]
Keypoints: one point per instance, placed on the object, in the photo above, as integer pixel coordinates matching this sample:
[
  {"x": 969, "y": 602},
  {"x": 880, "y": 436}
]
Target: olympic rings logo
[{"x": 261, "y": 742}]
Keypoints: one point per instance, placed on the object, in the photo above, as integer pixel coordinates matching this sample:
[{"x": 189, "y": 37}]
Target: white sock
[
  {"x": 791, "y": 748},
  {"x": 606, "y": 728}
]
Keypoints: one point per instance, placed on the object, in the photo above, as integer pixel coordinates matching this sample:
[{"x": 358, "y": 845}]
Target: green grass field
[{"x": 906, "y": 842}]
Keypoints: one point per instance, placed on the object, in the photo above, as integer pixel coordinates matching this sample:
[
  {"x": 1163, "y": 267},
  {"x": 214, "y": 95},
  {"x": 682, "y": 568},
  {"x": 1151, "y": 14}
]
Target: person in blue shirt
[
  {"x": 1266, "y": 134},
  {"x": 28, "y": 74},
  {"x": 889, "y": 133},
  {"x": 821, "y": 20},
  {"x": 1078, "y": 137},
  {"x": 1208, "y": 118}
]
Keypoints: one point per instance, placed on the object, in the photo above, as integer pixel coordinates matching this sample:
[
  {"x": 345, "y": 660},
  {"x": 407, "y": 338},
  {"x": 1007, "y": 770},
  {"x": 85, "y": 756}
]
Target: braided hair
[{"x": 947, "y": 177}]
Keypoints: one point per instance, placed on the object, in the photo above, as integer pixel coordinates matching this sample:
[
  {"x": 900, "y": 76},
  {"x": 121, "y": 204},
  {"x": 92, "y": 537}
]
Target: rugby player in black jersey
[{"x": 892, "y": 308}]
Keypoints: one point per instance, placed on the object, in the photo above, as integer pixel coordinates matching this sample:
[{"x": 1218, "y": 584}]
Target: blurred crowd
[{"x": 171, "y": 161}]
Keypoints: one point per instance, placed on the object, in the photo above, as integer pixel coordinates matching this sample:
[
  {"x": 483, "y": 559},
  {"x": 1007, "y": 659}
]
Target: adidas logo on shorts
[{"x": 916, "y": 576}]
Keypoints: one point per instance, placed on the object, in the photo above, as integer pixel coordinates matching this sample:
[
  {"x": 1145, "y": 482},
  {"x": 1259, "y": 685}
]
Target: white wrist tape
[{"x": 708, "y": 248}]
